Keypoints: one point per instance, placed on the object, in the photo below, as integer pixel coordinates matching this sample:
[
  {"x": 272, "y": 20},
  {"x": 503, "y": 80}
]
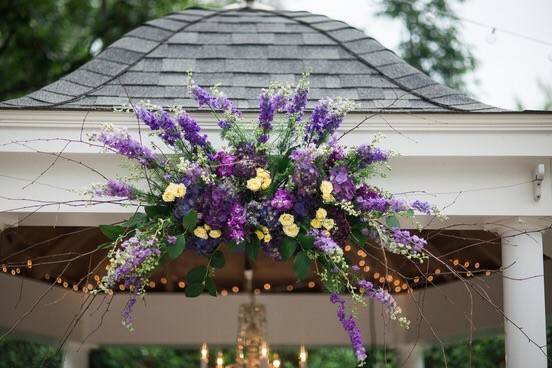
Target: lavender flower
[
  {"x": 147, "y": 117},
  {"x": 404, "y": 237},
  {"x": 378, "y": 294},
  {"x": 170, "y": 133},
  {"x": 217, "y": 101},
  {"x": 326, "y": 117},
  {"x": 350, "y": 326},
  {"x": 191, "y": 130},
  {"x": 421, "y": 206},
  {"x": 120, "y": 141},
  {"x": 369, "y": 155},
  {"x": 325, "y": 243},
  {"x": 370, "y": 200},
  {"x": 116, "y": 188},
  {"x": 267, "y": 107},
  {"x": 298, "y": 102}
]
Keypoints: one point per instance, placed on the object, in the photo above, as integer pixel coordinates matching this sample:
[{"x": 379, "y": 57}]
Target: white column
[
  {"x": 523, "y": 296},
  {"x": 76, "y": 355},
  {"x": 410, "y": 356}
]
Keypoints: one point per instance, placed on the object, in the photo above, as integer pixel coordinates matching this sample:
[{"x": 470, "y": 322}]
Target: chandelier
[{"x": 252, "y": 349}]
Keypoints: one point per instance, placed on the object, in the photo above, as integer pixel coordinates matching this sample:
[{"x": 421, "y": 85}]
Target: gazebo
[{"x": 487, "y": 168}]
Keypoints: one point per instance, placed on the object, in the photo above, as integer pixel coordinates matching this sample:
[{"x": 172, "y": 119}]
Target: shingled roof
[{"x": 243, "y": 50}]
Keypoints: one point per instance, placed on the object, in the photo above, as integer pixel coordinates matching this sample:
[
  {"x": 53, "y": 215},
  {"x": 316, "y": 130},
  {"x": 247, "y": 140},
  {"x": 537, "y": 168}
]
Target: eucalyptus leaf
[
  {"x": 287, "y": 248},
  {"x": 177, "y": 248},
  {"x": 189, "y": 222},
  {"x": 197, "y": 275},
  {"x": 193, "y": 290},
  {"x": 112, "y": 232},
  {"x": 211, "y": 286},
  {"x": 217, "y": 259},
  {"x": 301, "y": 265}
]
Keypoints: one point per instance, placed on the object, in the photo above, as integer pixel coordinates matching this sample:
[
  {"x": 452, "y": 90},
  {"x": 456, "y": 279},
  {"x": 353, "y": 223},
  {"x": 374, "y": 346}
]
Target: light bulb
[{"x": 276, "y": 362}]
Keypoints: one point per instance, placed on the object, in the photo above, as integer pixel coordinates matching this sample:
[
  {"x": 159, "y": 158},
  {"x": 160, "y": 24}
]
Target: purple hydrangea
[
  {"x": 343, "y": 186},
  {"x": 116, "y": 188},
  {"x": 404, "y": 237},
  {"x": 350, "y": 326},
  {"x": 282, "y": 200},
  {"x": 215, "y": 204},
  {"x": 191, "y": 130},
  {"x": 121, "y": 142}
]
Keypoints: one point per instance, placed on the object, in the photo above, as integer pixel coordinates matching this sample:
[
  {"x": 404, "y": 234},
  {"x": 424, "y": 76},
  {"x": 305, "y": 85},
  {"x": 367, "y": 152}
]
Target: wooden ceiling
[{"x": 70, "y": 256}]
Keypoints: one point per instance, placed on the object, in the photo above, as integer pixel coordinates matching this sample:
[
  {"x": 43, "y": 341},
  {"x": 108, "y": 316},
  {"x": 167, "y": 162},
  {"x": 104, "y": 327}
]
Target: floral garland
[{"x": 284, "y": 185}]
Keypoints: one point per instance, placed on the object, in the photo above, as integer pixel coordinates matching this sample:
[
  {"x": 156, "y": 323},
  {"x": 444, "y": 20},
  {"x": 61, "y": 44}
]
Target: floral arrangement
[{"x": 284, "y": 185}]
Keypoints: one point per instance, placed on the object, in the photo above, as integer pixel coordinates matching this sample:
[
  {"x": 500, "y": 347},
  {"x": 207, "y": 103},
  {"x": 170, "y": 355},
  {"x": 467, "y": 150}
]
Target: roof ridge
[
  {"x": 160, "y": 43},
  {"x": 364, "y": 61}
]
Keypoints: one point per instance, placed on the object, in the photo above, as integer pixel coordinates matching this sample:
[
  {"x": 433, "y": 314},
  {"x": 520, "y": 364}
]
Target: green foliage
[
  {"x": 176, "y": 249},
  {"x": 112, "y": 232},
  {"x": 433, "y": 43},
  {"x": 143, "y": 357},
  {"x": 287, "y": 248},
  {"x": 24, "y": 354},
  {"x": 301, "y": 265}
]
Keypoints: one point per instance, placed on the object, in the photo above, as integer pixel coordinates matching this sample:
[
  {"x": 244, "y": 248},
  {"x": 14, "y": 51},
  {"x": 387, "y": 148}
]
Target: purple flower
[
  {"x": 147, "y": 117},
  {"x": 282, "y": 200},
  {"x": 267, "y": 107},
  {"x": 343, "y": 186},
  {"x": 236, "y": 222},
  {"x": 121, "y": 142},
  {"x": 215, "y": 204},
  {"x": 225, "y": 166},
  {"x": 247, "y": 160},
  {"x": 369, "y": 155},
  {"x": 350, "y": 326},
  {"x": 324, "y": 243},
  {"x": 126, "y": 313},
  {"x": 170, "y": 133},
  {"x": 220, "y": 102},
  {"x": 116, "y": 188},
  {"x": 298, "y": 102},
  {"x": 404, "y": 237},
  {"x": 370, "y": 200},
  {"x": 171, "y": 239},
  {"x": 191, "y": 130},
  {"x": 323, "y": 123},
  {"x": 421, "y": 206},
  {"x": 378, "y": 294},
  {"x": 305, "y": 173}
]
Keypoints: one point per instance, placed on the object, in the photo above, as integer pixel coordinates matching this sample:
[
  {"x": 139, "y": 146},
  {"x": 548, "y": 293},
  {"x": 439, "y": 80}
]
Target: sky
[{"x": 509, "y": 67}]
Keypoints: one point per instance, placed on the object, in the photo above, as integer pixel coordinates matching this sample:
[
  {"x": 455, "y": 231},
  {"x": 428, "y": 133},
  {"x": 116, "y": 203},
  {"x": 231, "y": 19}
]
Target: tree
[{"x": 433, "y": 42}]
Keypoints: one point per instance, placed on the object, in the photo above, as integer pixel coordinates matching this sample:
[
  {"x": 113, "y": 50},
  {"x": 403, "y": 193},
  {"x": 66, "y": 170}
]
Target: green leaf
[
  {"x": 252, "y": 248},
  {"x": 217, "y": 259},
  {"x": 197, "y": 275},
  {"x": 392, "y": 222},
  {"x": 301, "y": 265},
  {"x": 112, "y": 232},
  {"x": 177, "y": 248},
  {"x": 154, "y": 212},
  {"x": 211, "y": 286},
  {"x": 189, "y": 222},
  {"x": 136, "y": 220},
  {"x": 306, "y": 241},
  {"x": 193, "y": 290},
  {"x": 236, "y": 247},
  {"x": 287, "y": 248}
]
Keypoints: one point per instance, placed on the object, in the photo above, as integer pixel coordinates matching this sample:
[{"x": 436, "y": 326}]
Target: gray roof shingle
[{"x": 243, "y": 50}]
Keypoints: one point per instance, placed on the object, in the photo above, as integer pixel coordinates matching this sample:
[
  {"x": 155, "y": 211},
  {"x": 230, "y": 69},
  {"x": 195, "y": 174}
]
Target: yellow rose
[
  {"x": 207, "y": 227},
  {"x": 316, "y": 223},
  {"x": 259, "y": 234},
  {"x": 328, "y": 197},
  {"x": 254, "y": 184},
  {"x": 286, "y": 219},
  {"x": 326, "y": 187},
  {"x": 291, "y": 230},
  {"x": 328, "y": 224},
  {"x": 264, "y": 229},
  {"x": 267, "y": 238},
  {"x": 168, "y": 196},
  {"x": 215, "y": 234},
  {"x": 266, "y": 183},
  {"x": 321, "y": 213},
  {"x": 179, "y": 190},
  {"x": 200, "y": 232}
]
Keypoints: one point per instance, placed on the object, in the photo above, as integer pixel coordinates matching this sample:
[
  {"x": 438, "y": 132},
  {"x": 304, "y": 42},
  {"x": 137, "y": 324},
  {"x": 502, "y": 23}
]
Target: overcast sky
[{"x": 509, "y": 67}]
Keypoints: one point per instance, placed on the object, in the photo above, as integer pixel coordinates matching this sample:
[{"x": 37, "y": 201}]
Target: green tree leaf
[
  {"x": 211, "y": 286},
  {"x": 177, "y": 248},
  {"x": 154, "y": 212},
  {"x": 193, "y": 290},
  {"x": 301, "y": 265},
  {"x": 196, "y": 275},
  {"x": 189, "y": 222},
  {"x": 217, "y": 259},
  {"x": 287, "y": 248},
  {"x": 112, "y": 232}
]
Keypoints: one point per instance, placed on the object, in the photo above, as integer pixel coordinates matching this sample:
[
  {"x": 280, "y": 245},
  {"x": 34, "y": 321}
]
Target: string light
[
  {"x": 29, "y": 264},
  {"x": 122, "y": 287},
  {"x": 437, "y": 271},
  {"x": 163, "y": 280},
  {"x": 416, "y": 279},
  {"x": 366, "y": 269},
  {"x": 389, "y": 278},
  {"x": 13, "y": 272},
  {"x": 488, "y": 273},
  {"x": 396, "y": 282},
  {"x": 47, "y": 276},
  {"x": 266, "y": 286},
  {"x": 65, "y": 284},
  {"x": 466, "y": 264},
  {"x": 404, "y": 286},
  {"x": 151, "y": 284},
  {"x": 235, "y": 289},
  {"x": 4, "y": 268},
  {"x": 376, "y": 275},
  {"x": 75, "y": 287},
  {"x": 476, "y": 265},
  {"x": 398, "y": 289},
  {"x": 347, "y": 248},
  {"x": 18, "y": 270},
  {"x": 224, "y": 292},
  {"x": 289, "y": 288},
  {"x": 382, "y": 279},
  {"x": 311, "y": 284},
  {"x": 257, "y": 291},
  {"x": 456, "y": 262},
  {"x": 181, "y": 284},
  {"x": 361, "y": 263},
  {"x": 430, "y": 278}
]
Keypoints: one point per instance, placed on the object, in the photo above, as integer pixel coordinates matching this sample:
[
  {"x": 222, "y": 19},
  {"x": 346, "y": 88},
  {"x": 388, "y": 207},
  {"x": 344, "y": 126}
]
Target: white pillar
[
  {"x": 524, "y": 298},
  {"x": 76, "y": 355},
  {"x": 410, "y": 356}
]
